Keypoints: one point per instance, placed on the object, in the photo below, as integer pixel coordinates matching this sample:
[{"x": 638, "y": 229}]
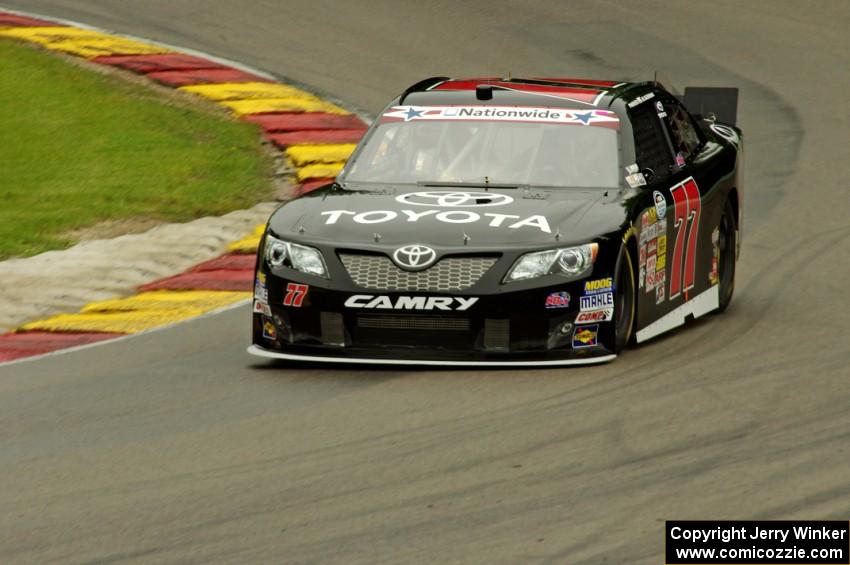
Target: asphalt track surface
[{"x": 177, "y": 446}]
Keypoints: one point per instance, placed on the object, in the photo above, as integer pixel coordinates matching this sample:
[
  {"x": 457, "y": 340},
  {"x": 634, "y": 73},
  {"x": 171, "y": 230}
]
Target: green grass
[{"x": 78, "y": 147}]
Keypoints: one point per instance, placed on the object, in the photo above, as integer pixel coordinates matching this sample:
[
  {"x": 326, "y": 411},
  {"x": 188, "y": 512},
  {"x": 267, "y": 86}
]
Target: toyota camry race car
[{"x": 509, "y": 221}]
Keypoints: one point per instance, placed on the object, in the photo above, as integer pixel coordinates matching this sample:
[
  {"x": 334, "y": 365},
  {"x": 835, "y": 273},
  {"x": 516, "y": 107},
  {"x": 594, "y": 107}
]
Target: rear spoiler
[{"x": 705, "y": 100}]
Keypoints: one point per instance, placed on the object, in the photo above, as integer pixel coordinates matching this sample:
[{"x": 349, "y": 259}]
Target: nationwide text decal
[{"x": 602, "y": 118}]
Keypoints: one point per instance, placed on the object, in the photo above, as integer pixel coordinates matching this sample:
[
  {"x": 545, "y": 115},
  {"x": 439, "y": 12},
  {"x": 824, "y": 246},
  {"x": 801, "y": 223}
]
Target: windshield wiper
[{"x": 471, "y": 184}]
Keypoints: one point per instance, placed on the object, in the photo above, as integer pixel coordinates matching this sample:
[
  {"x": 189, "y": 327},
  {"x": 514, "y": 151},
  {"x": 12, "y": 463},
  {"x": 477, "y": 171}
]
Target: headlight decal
[
  {"x": 571, "y": 262},
  {"x": 295, "y": 256}
]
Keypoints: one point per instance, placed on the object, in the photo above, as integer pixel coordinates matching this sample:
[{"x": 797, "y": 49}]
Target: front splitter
[{"x": 261, "y": 352}]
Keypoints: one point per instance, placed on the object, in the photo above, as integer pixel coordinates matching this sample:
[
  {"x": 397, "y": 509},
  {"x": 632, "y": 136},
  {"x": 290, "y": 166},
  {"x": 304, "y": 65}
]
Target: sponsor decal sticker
[
  {"x": 261, "y": 293},
  {"x": 558, "y": 300},
  {"x": 540, "y": 115},
  {"x": 660, "y": 287},
  {"x": 635, "y": 180},
  {"x": 662, "y": 244},
  {"x": 295, "y": 294},
  {"x": 585, "y": 336},
  {"x": 660, "y": 262},
  {"x": 597, "y": 301},
  {"x": 714, "y": 275},
  {"x": 641, "y": 99},
  {"x": 599, "y": 285},
  {"x": 653, "y": 216},
  {"x": 651, "y": 247},
  {"x": 383, "y": 302},
  {"x": 262, "y": 308},
  {"x": 650, "y": 273},
  {"x": 603, "y": 315},
  {"x": 641, "y": 276},
  {"x": 269, "y": 330},
  {"x": 642, "y": 256},
  {"x": 660, "y": 205}
]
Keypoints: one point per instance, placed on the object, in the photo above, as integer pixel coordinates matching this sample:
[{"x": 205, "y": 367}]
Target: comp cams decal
[
  {"x": 603, "y": 315},
  {"x": 371, "y": 301}
]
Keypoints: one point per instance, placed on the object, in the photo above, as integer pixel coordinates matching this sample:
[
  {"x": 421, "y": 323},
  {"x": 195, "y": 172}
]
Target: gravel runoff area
[{"x": 62, "y": 281}]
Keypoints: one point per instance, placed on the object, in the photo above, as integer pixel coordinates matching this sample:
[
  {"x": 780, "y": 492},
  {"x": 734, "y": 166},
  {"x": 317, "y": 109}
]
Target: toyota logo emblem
[
  {"x": 454, "y": 199},
  {"x": 414, "y": 257}
]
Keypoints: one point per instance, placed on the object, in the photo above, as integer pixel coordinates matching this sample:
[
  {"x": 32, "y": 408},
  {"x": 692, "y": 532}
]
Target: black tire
[
  {"x": 728, "y": 245},
  {"x": 624, "y": 301}
]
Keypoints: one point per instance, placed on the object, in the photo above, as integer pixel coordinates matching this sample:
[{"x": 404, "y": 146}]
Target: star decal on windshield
[
  {"x": 413, "y": 113},
  {"x": 584, "y": 118}
]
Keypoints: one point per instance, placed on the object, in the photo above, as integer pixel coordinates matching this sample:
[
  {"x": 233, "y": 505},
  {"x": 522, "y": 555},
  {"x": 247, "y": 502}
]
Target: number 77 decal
[
  {"x": 686, "y": 223},
  {"x": 295, "y": 294}
]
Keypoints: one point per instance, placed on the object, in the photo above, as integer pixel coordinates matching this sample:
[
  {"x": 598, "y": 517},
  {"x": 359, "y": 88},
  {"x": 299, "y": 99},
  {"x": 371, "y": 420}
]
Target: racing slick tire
[
  {"x": 727, "y": 244},
  {"x": 624, "y": 301}
]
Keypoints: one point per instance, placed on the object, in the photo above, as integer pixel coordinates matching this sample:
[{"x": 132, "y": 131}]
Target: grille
[
  {"x": 413, "y": 323},
  {"x": 377, "y": 272},
  {"x": 333, "y": 329},
  {"x": 497, "y": 334}
]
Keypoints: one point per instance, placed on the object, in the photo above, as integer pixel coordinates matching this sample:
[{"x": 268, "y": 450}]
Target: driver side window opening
[
  {"x": 651, "y": 149},
  {"x": 683, "y": 134}
]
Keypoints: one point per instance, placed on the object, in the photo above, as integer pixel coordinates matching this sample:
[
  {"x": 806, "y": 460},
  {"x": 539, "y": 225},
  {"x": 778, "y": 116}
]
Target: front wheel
[
  {"x": 727, "y": 245},
  {"x": 624, "y": 301}
]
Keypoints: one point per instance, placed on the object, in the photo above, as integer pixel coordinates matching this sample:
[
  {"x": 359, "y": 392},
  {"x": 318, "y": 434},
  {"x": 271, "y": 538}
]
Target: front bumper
[
  {"x": 507, "y": 327},
  {"x": 271, "y": 354}
]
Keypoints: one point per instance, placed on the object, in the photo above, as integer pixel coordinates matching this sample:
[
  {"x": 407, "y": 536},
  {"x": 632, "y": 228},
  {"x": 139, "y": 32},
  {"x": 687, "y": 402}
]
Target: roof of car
[{"x": 569, "y": 90}]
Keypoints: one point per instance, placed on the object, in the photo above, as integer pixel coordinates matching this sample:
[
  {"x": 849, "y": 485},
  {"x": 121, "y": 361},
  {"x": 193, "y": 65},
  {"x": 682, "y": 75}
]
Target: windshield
[{"x": 444, "y": 145}]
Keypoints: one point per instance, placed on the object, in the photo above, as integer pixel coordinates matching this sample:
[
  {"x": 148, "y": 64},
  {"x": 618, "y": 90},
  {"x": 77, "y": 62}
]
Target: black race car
[{"x": 512, "y": 222}]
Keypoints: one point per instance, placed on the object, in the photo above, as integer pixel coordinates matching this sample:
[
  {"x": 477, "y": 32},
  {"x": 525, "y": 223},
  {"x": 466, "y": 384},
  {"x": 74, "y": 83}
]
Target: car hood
[{"x": 447, "y": 217}]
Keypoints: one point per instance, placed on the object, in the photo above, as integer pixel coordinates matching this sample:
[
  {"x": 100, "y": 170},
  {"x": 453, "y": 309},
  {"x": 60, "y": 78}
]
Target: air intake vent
[
  {"x": 426, "y": 323},
  {"x": 333, "y": 329},
  {"x": 497, "y": 334}
]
